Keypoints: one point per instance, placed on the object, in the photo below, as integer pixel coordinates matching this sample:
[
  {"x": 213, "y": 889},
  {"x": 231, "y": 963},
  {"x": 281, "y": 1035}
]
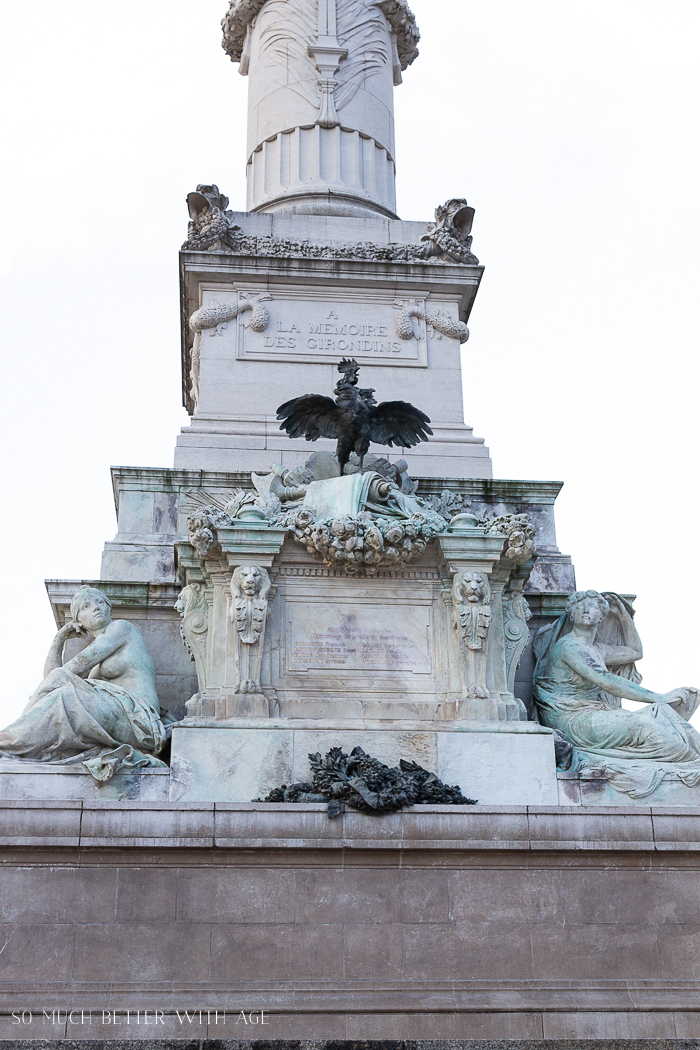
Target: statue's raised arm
[{"x": 576, "y": 693}]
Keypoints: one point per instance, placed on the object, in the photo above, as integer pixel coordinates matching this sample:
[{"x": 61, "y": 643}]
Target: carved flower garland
[{"x": 364, "y": 543}]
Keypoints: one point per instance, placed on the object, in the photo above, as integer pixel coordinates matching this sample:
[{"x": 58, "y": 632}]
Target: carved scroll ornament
[
  {"x": 194, "y": 612},
  {"x": 214, "y": 319},
  {"x": 516, "y": 614}
]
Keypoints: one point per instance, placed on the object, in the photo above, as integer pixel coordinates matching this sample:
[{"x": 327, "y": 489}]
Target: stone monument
[{"x": 367, "y": 623}]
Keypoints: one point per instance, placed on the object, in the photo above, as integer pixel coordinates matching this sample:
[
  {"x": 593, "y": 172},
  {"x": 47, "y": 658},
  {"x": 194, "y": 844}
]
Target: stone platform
[
  {"x": 41, "y": 780},
  {"x": 520, "y": 923},
  {"x": 497, "y": 763},
  {"x": 579, "y": 789}
]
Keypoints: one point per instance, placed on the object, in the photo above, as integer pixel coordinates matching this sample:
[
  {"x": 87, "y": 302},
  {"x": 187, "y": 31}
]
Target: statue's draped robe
[
  {"x": 635, "y": 750},
  {"x": 71, "y": 720},
  {"x": 355, "y": 493}
]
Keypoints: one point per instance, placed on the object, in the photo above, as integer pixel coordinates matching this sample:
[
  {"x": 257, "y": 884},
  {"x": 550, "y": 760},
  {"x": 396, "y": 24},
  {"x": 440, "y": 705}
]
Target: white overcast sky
[{"x": 571, "y": 127}]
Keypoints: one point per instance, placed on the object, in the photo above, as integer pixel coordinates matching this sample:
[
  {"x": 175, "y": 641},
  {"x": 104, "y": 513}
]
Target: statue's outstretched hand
[{"x": 684, "y": 700}]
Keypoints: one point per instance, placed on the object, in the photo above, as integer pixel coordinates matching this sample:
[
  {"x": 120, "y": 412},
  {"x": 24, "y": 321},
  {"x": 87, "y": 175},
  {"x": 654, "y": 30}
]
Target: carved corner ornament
[
  {"x": 211, "y": 226},
  {"x": 520, "y": 533},
  {"x": 449, "y": 237},
  {"x": 194, "y": 627}
]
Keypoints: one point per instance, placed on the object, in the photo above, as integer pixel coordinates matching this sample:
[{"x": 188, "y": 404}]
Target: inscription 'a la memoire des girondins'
[{"x": 322, "y": 332}]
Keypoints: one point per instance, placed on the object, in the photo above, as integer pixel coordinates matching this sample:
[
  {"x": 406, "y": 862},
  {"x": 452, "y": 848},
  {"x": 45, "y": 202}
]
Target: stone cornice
[
  {"x": 635, "y": 830},
  {"x": 486, "y": 490}
]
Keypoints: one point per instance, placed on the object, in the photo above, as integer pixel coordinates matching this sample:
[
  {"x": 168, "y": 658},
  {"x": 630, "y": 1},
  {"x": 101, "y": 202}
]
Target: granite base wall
[{"x": 450, "y": 923}]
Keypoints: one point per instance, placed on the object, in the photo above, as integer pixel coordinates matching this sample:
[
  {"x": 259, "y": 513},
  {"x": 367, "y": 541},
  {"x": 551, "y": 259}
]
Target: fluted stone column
[{"x": 320, "y": 100}]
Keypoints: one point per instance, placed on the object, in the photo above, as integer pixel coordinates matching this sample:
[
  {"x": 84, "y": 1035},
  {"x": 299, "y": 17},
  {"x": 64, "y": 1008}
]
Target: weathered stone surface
[
  {"x": 239, "y": 760},
  {"x": 567, "y": 827},
  {"x": 147, "y": 824},
  {"x": 579, "y": 789},
  {"x": 229, "y": 766},
  {"x": 506, "y": 769},
  {"x": 452, "y": 926},
  {"x": 36, "y": 780},
  {"x": 46, "y": 823},
  {"x": 355, "y": 638}
]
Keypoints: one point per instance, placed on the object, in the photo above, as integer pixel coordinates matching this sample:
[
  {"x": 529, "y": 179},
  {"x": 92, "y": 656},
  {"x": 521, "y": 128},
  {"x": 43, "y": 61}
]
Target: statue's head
[
  {"x": 189, "y": 596},
  {"x": 350, "y": 371},
  {"x": 586, "y": 608},
  {"x": 250, "y": 581},
  {"x": 91, "y": 609}
]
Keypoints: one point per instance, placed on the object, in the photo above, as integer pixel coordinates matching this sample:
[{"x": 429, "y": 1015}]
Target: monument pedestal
[
  {"x": 497, "y": 763},
  {"x": 436, "y": 923}
]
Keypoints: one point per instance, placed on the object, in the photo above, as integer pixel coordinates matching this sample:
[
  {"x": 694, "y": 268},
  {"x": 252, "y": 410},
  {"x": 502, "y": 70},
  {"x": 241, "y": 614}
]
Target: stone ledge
[
  {"x": 350, "y": 1044},
  {"x": 257, "y": 826}
]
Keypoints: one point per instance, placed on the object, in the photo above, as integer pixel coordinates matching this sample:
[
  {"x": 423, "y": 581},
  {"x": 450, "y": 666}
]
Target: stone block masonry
[{"x": 489, "y": 923}]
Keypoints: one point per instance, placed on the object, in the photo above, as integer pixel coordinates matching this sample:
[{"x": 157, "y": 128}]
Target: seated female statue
[
  {"x": 101, "y": 707},
  {"x": 577, "y": 694}
]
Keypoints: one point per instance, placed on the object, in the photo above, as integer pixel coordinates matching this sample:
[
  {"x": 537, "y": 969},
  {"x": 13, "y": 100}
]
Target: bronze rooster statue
[{"x": 354, "y": 419}]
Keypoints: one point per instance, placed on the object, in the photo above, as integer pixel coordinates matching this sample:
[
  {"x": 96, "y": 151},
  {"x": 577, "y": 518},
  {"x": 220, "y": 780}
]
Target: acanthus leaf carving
[
  {"x": 402, "y": 24},
  {"x": 448, "y": 503}
]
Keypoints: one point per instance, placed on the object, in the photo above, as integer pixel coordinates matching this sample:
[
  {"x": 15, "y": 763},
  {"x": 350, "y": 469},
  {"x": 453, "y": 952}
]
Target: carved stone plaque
[
  {"x": 324, "y": 329},
  {"x": 358, "y": 637}
]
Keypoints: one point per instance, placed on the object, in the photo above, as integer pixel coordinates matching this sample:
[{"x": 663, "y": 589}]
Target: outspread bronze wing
[
  {"x": 312, "y": 416},
  {"x": 398, "y": 423}
]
